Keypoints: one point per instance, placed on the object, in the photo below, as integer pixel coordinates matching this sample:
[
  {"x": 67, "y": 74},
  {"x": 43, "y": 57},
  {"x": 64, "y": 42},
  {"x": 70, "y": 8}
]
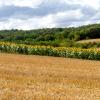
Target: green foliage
[
  {"x": 87, "y": 45},
  {"x": 53, "y": 37}
]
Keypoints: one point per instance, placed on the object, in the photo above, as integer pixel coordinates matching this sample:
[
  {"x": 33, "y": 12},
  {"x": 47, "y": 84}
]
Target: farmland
[
  {"x": 24, "y": 77},
  {"x": 91, "y": 54},
  {"x": 89, "y": 41},
  {"x": 50, "y": 64}
]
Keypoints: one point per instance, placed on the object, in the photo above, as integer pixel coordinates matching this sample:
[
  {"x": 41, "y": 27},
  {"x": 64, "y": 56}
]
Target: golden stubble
[{"x": 25, "y": 77}]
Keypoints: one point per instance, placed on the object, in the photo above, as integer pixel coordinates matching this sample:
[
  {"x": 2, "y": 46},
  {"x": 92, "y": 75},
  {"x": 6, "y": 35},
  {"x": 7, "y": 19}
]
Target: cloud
[
  {"x": 92, "y": 3},
  {"x": 21, "y": 3},
  {"x": 7, "y": 12},
  {"x": 30, "y": 14},
  {"x": 45, "y": 8}
]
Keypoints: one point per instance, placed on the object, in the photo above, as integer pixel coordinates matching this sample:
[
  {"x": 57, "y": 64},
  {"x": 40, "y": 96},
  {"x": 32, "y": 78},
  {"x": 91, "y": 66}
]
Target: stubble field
[{"x": 25, "y": 77}]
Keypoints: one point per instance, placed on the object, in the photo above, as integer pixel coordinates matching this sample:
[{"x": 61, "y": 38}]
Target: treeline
[{"x": 54, "y": 36}]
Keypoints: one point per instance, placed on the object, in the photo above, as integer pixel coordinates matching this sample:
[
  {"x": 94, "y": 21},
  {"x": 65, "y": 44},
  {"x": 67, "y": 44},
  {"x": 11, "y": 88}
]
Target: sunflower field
[{"x": 91, "y": 54}]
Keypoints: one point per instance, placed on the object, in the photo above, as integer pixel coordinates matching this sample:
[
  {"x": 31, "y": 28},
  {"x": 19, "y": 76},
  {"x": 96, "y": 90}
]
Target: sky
[{"x": 35, "y": 14}]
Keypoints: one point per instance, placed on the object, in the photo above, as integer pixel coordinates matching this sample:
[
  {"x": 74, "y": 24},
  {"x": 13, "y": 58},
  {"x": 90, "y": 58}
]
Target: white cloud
[
  {"x": 30, "y": 14},
  {"x": 21, "y": 3},
  {"x": 68, "y": 15},
  {"x": 48, "y": 21},
  {"x": 33, "y": 23},
  {"x": 93, "y": 3}
]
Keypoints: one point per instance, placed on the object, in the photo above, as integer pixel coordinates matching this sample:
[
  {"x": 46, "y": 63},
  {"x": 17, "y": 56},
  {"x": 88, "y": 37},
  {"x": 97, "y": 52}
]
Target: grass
[{"x": 25, "y": 77}]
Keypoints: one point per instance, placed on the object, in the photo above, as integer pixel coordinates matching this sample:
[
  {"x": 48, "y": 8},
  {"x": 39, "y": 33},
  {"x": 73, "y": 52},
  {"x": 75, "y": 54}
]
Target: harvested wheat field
[
  {"x": 25, "y": 77},
  {"x": 89, "y": 41}
]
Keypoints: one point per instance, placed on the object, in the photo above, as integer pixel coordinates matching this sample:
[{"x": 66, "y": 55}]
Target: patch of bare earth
[{"x": 48, "y": 78}]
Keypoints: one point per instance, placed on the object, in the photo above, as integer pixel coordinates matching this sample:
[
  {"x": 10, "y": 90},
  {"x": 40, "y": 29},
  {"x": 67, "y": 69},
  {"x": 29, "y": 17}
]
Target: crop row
[{"x": 91, "y": 54}]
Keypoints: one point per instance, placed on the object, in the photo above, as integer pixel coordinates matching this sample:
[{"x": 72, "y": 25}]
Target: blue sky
[{"x": 34, "y": 14}]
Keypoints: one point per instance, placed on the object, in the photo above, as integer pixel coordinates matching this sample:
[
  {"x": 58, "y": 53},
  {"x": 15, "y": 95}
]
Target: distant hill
[{"x": 53, "y": 36}]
